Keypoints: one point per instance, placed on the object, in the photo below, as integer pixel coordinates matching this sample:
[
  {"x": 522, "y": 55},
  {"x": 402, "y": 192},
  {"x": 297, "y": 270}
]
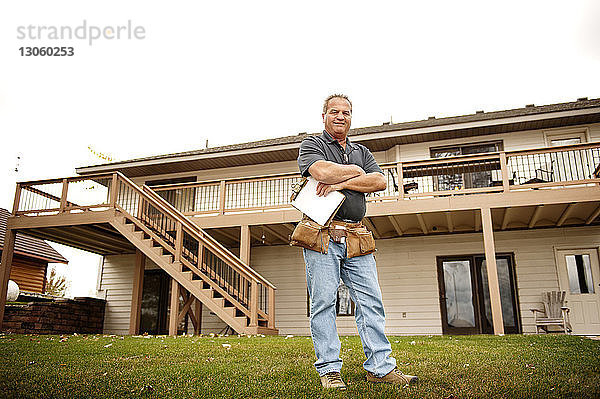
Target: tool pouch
[
  {"x": 310, "y": 235},
  {"x": 359, "y": 242}
]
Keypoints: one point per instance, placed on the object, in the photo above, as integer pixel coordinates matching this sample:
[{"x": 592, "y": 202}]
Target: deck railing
[
  {"x": 546, "y": 168},
  {"x": 232, "y": 195},
  {"x": 196, "y": 251},
  {"x": 470, "y": 174}
]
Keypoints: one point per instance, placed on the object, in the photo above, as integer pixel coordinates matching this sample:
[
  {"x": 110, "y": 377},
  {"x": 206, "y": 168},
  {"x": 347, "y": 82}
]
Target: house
[
  {"x": 481, "y": 215},
  {"x": 31, "y": 258}
]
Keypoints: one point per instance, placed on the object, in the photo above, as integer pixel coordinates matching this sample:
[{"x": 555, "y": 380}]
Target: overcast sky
[{"x": 231, "y": 72}]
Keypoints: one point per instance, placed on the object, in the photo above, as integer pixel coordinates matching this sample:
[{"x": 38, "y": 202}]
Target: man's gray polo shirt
[{"x": 326, "y": 148}]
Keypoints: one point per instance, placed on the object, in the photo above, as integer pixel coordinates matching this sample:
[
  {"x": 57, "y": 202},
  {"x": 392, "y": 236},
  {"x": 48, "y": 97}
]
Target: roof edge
[{"x": 486, "y": 119}]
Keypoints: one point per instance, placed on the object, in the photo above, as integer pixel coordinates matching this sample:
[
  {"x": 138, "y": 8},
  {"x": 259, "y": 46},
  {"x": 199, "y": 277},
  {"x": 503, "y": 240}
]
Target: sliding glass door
[{"x": 464, "y": 294}]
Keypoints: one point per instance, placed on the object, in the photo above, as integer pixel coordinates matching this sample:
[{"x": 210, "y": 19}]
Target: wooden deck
[{"x": 109, "y": 214}]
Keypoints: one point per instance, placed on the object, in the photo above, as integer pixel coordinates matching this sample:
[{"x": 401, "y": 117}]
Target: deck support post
[
  {"x": 5, "y": 267},
  {"x": 492, "y": 270},
  {"x": 136, "y": 293},
  {"x": 245, "y": 244},
  {"x": 198, "y": 313},
  {"x": 174, "y": 310},
  {"x": 504, "y": 171},
  {"x": 245, "y": 257}
]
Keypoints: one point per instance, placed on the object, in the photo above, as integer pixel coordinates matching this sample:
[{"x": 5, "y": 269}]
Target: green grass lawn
[{"x": 96, "y": 366}]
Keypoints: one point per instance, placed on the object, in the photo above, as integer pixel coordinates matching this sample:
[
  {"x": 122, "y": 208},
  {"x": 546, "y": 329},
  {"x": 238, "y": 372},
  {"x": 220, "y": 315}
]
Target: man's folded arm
[
  {"x": 367, "y": 183},
  {"x": 331, "y": 173}
]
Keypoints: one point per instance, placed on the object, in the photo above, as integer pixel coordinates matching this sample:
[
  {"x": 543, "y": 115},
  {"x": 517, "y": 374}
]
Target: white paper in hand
[{"x": 319, "y": 209}]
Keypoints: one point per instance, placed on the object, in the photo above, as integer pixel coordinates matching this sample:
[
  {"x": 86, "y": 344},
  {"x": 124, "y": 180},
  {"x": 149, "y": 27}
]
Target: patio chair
[
  {"x": 554, "y": 313},
  {"x": 544, "y": 174},
  {"x": 406, "y": 187}
]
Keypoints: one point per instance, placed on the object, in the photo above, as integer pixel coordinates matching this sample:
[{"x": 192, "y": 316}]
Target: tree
[{"x": 55, "y": 284}]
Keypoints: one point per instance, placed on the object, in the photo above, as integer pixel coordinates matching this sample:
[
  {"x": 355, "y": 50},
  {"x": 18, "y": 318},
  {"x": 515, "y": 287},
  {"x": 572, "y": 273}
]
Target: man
[{"x": 341, "y": 165}]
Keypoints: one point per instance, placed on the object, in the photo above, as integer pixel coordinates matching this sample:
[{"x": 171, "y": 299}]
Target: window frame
[
  {"x": 498, "y": 143},
  {"x": 565, "y": 134}
]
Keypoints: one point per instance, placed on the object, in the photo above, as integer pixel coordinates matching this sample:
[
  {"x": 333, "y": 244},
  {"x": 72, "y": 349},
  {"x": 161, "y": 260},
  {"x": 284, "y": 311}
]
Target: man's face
[{"x": 338, "y": 117}]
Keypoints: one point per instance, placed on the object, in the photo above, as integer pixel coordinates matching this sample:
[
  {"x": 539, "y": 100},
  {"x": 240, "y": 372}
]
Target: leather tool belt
[{"x": 310, "y": 235}]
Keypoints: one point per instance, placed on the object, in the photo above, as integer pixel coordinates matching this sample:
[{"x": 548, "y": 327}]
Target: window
[
  {"x": 478, "y": 175},
  {"x": 344, "y": 305},
  {"x": 565, "y": 137},
  {"x": 579, "y": 270},
  {"x": 466, "y": 149},
  {"x": 565, "y": 141}
]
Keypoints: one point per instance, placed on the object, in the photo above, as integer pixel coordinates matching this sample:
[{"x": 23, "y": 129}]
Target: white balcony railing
[{"x": 471, "y": 174}]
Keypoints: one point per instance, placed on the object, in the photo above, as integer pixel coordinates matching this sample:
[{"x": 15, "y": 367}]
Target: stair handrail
[
  {"x": 195, "y": 230},
  {"x": 203, "y": 236}
]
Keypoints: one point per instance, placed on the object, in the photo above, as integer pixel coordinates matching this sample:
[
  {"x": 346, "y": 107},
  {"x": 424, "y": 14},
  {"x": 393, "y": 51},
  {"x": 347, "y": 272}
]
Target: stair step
[
  {"x": 230, "y": 310},
  {"x": 147, "y": 242},
  {"x": 127, "y": 226},
  {"x": 139, "y": 235},
  {"x": 207, "y": 291},
  {"x": 188, "y": 275},
  {"x": 158, "y": 250},
  {"x": 220, "y": 302},
  {"x": 243, "y": 320}
]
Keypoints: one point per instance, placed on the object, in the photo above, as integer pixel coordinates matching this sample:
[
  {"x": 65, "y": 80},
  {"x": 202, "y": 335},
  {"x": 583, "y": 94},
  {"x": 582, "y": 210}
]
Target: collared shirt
[{"x": 326, "y": 148}]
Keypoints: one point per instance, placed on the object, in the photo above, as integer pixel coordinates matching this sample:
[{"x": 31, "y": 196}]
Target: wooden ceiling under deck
[
  {"x": 274, "y": 234},
  {"x": 103, "y": 239},
  {"x": 436, "y": 223},
  {"x": 469, "y": 221},
  {"x": 100, "y": 238}
]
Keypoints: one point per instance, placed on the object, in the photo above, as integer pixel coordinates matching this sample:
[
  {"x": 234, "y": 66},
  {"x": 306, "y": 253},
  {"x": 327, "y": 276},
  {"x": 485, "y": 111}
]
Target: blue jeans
[{"x": 359, "y": 274}]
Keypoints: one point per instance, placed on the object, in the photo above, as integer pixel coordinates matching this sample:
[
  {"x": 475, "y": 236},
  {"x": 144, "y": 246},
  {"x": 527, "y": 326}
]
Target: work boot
[
  {"x": 395, "y": 377},
  {"x": 333, "y": 379}
]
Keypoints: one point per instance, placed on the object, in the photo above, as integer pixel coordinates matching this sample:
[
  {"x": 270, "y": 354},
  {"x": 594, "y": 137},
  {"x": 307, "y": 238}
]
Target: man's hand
[{"x": 323, "y": 189}]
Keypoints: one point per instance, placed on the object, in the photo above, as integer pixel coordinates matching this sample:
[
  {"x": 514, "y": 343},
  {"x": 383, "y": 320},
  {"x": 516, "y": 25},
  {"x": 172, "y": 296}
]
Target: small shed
[{"x": 31, "y": 258}]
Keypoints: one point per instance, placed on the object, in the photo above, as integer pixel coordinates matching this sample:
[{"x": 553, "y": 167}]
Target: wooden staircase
[{"x": 201, "y": 266}]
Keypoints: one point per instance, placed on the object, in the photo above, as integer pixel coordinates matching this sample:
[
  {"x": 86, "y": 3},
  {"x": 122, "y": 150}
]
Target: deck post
[
  {"x": 245, "y": 244},
  {"x": 492, "y": 270},
  {"x": 245, "y": 257},
  {"x": 504, "y": 171},
  {"x": 253, "y": 304},
  {"x": 271, "y": 310},
  {"x": 63, "y": 196},
  {"x": 17, "y": 199},
  {"x": 5, "y": 267},
  {"x": 400, "y": 173},
  {"x": 198, "y": 313},
  {"x": 222, "y": 192},
  {"x": 113, "y": 190},
  {"x": 174, "y": 311},
  {"x": 136, "y": 294}
]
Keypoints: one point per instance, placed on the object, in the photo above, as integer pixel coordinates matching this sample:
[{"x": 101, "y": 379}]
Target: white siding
[
  {"x": 408, "y": 276},
  {"x": 117, "y": 283},
  {"x": 407, "y": 272},
  {"x": 512, "y": 141}
]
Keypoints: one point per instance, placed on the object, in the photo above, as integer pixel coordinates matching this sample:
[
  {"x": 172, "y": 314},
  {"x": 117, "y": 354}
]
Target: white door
[{"x": 579, "y": 277}]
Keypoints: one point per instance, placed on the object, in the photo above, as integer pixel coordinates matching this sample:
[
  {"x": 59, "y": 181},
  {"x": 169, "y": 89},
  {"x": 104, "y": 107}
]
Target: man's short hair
[{"x": 326, "y": 102}]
